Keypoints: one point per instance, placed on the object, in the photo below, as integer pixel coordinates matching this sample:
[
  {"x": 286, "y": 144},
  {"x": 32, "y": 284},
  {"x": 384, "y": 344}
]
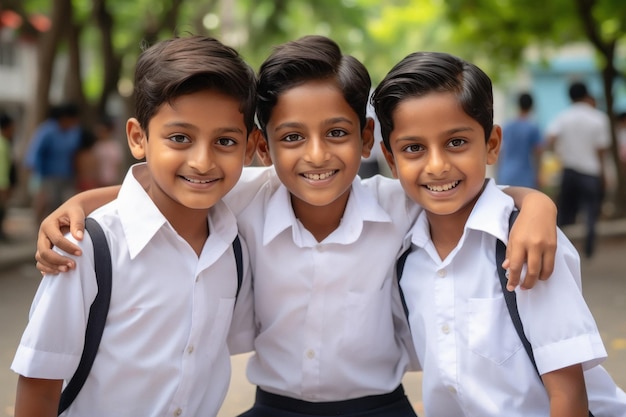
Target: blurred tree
[{"x": 501, "y": 30}]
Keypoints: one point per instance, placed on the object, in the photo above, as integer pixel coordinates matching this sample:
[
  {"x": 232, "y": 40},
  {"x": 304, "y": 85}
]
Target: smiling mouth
[
  {"x": 319, "y": 176},
  {"x": 442, "y": 187},
  {"x": 196, "y": 181}
]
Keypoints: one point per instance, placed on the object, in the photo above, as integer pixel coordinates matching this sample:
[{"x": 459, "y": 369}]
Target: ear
[
  {"x": 263, "y": 150},
  {"x": 493, "y": 145},
  {"x": 367, "y": 136},
  {"x": 136, "y": 138},
  {"x": 390, "y": 160},
  {"x": 251, "y": 145}
]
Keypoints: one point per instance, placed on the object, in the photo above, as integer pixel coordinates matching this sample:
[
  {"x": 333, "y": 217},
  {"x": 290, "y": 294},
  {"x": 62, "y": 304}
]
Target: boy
[
  {"x": 163, "y": 350},
  {"x": 330, "y": 325},
  {"x": 436, "y": 115}
]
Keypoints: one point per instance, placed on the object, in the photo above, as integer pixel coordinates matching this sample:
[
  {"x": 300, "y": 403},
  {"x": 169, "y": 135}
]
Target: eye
[
  {"x": 455, "y": 143},
  {"x": 292, "y": 137},
  {"x": 337, "y": 133},
  {"x": 226, "y": 142},
  {"x": 179, "y": 139},
  {"x": 413, "y": 148}
]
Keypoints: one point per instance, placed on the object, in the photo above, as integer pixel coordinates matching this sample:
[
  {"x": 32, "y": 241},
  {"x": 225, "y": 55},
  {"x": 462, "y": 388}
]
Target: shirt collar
[
  {"x": 490, "y": 215},
  {"x": 362, "y": 207},
  {"x": 141, "y": 219}
]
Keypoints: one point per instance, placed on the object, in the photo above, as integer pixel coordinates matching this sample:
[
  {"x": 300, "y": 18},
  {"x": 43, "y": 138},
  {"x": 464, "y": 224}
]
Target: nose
[
  {"x": 200, "y": 158},
  {"x": 437, "y": 163},
  {"x": 317, "y": 150}
]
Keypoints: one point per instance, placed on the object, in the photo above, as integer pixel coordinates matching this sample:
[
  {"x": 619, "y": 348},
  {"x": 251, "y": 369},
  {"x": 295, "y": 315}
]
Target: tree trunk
[
  {"x": 48, "y": 46},
  {"x": 112, "y": 63},
  {"x": 73, "y": 78}
]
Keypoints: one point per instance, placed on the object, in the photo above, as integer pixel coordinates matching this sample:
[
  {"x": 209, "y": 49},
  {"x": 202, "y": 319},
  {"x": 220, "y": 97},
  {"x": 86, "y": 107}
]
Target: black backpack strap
[
  {"x": 239, "y": 262},
  {"x": 509, "y": 296},
  {"x": 97, "y": 313},
  {"x": 399, "y": 270},
  {"x": 511, "y": 299}
]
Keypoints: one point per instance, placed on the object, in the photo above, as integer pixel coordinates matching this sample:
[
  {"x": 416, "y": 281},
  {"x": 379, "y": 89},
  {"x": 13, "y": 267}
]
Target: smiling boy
[
  {"x": 436, "y": 114},
  {"x": 174, "y": 279}
]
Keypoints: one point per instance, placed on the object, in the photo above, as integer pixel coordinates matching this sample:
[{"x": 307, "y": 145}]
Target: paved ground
[{"x": 604, "y": 286}]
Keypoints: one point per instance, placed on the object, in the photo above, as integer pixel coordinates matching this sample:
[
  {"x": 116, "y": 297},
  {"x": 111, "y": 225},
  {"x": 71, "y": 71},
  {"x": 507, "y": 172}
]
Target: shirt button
[
  {"x": 197, "y": 279},
  {"x": 190, "y": 349},
  {"x": 451, "y": 389},
  {"x": 310, "y": 353},
  {"x": 445, "y": 329},
  {"x": 178, "y": 412},
  {"x": 320, "y": 248},
  {"x": 441, "y": 273}
]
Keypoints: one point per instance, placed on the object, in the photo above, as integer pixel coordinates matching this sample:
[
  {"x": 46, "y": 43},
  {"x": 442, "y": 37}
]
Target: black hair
[
  {"x": 184, "y": 65},
  {"x": 578, "y": 91},
  {"x": 5, "y": 120},
  {"x": 307, "y": 59},
  {"x": 421, "y": 73},
  {"x": 525, "y": 102}
]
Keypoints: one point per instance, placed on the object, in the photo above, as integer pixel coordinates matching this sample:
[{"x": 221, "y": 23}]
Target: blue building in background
[{"x": 550, "y": 83}]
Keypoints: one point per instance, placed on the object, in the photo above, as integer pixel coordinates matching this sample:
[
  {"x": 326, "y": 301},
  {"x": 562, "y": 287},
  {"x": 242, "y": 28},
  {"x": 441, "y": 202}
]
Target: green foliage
[{"x": 492, "y": 33}]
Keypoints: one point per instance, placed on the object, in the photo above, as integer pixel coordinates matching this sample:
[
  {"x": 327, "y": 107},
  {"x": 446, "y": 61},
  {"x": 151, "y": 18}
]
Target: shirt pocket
[
  {"x": 491, "y": 333},
  {"x": 221, "y": 321},
  {"x": 369, "y": 323}
]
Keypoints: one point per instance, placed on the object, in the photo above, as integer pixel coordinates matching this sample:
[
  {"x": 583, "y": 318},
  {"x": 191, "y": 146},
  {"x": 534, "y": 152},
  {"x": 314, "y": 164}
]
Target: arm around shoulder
[
  {"x": 533, "y": 237},
  {"x": 70, "y": 214}
]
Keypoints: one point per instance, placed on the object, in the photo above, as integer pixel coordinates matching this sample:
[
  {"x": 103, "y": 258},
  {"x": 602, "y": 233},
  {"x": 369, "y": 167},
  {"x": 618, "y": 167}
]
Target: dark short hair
[
  {"x": 525, "y": 101},
  {"x": 5, "y": 120},
  {"x": 307, "y": 59},
  {"x": 421, "y": 73},
  {"x": 68, "y": 109},
  {"x": 578, "y": 91},
  {"x": 185, "y": 65}
]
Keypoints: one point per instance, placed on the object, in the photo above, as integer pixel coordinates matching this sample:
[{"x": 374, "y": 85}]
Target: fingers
[
  {"x": 534, "y": 264},
  {"x": 51, "y": 262},
  {"x": 548, "y": 259},
  {"x": 513, "y": 264},
  {"x": 77, "y": 222},
  {"x": 539, "y": 262}
]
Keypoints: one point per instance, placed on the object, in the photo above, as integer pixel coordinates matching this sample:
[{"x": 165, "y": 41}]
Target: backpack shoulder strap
[
  {"x": 239, "y": 262},
  {"x": 509, "y": 296},
  {"x": 399, "y": 270},
  {"x": 97, "y": 313}
]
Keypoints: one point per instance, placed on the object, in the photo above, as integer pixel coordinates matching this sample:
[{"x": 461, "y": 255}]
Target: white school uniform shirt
[
  {"x": 473, "y": 360},
  {"x": 163, "y": 351},
  {"x": 330, "y": 321}
]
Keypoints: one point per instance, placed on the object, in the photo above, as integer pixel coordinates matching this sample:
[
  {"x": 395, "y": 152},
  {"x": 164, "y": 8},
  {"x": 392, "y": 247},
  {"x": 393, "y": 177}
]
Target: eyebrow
[
  {"x": 331, "y": 121},
  {"x": 446, "y": 133},
  {"x": 220, "y": 130}
]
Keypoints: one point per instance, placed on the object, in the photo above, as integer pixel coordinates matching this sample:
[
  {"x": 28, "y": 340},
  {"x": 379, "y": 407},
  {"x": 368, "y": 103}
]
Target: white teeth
[
  {"x": 197, "y": 181},
  {"x": 317, "y": 177},
  {"x": 444, "y": 187}
]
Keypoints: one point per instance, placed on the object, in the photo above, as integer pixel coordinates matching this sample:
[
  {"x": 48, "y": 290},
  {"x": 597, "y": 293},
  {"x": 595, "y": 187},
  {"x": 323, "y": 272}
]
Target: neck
[
  {"x": 446, "y": 230},
  {"x": 321, "y": 221}
]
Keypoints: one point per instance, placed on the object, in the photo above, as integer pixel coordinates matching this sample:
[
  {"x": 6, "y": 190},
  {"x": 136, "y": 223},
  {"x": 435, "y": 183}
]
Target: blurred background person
[
  {"x": 86, "y": 164},
  {"x": 51, "y": 158},
  {"x": 621, "y": 138},
  {"x": 109, "y": 152},
  {"x": 580, "y": 136},
  {"x": 522, "y": 144},
  {"x": 8, "y": 175}
]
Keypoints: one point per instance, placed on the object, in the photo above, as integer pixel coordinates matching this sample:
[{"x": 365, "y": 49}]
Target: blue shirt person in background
[{"x": 520, "y": 154}]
